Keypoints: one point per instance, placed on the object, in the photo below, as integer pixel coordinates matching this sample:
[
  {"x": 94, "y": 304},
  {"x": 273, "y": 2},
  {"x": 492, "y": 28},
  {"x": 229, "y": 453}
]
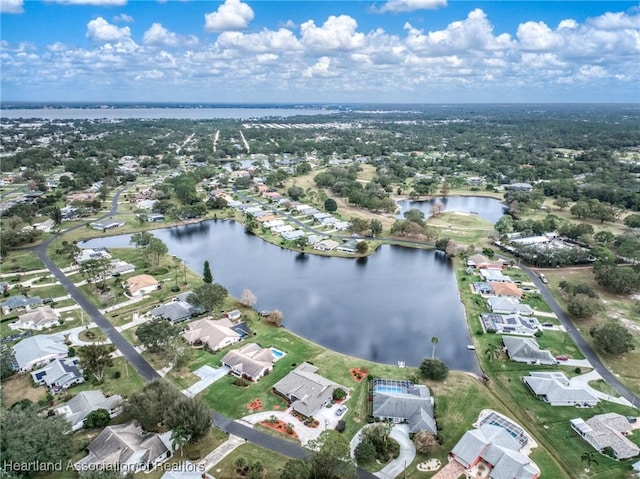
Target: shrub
[
  {"x": 97, "y": 419},
  {"x": 339, "y": 394},
  {"x": 365, "y": 452},
  {"x": 434, "y": 369},
  {"x": 341, "y": 426}
]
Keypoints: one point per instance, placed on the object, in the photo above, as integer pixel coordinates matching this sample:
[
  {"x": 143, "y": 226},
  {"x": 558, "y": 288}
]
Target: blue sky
[{"x": 408, "y": 51}]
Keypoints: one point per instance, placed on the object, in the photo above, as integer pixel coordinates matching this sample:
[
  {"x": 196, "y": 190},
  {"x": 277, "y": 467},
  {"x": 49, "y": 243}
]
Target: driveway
[
  {"x": 583, "y": 380},
  {"x": 208, "y": 376},
  {"x": 400, "y": 433}
]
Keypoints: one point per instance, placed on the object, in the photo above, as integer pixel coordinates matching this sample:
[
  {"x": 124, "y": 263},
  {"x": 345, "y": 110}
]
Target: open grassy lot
[
  {"x": 273, "y": 462},
  {"x": 20, "y": 387},
  {"x": 464, "y": 228},
  {"x": 120, "y": 378},
  {"x": 20, "y": 261}
]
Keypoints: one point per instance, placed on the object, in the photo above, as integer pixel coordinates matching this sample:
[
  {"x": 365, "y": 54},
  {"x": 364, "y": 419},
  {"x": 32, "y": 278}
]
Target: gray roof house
[
  {"x": 125, "y": 447},
  {"x": 413, "y": 404},
  {"x": 306, "y": 390},
  {"x": 80, "y": 406},
  {"x": 554, "y": 388},
  {"x": 175, "y": 311},
  {"x": 250, "y": 361},
  {"x": 527, "y": 350},
  {"x": 59, "y": 374},
  {"x": 497, "y": 449},
  {"x": 39, "y": 349},
  {"x": 509, "y": 324},
  {"x": 607, "y": 430},
  {"x": 502, "y": 305},
  {"x": 38, "y": 319},
  {"x": 19, "y": 301}
]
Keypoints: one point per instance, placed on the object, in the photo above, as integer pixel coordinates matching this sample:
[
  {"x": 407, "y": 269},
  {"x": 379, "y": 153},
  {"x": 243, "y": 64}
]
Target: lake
[
  {"x": 383, "y": 308},
  {"x": 488, "y": 209}
]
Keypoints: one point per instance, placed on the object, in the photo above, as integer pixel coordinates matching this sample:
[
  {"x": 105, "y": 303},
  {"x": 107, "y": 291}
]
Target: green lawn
[
  {"x": 536, "y": 301},
  {"x": 127, "y": 382},
  {"x": 273, "y": 462},
  {"x": 559, "y": 342},
  {"x": 20, "y": 261}
]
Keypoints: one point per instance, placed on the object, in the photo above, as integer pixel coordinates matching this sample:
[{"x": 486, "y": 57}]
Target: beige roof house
[
  {"x": 306, "y": 390},
  {"x": 141, "y": 284},
  {"x": 125, "y": 447},
  {"x": 506, "y": 289},
  {"x": 250, "y": 361},
  {"x": 214, "y": 333},
  {"x": 38, "y": 319}
]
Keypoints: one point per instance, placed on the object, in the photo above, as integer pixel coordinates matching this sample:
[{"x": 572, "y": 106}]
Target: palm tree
[
  {"x": 589, "y": 458},
  {"x": 493, "y": 351},
  {"x": 434, "y": 340}
]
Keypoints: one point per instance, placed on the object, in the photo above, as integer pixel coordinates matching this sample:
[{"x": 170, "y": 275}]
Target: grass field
[
  {"x": 273, "y": 462},
  {"x": 464, "y": 228}
]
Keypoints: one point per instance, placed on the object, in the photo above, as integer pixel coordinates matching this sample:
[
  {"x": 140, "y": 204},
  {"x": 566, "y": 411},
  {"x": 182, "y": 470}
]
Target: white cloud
[
  {"x": 266, "y": 40},
  {"x": 231, "y": 15},
  {"x": 396, "y": 6},
  {"x": 123, "y": 18},
  {"x": 11, "y": 6},
  {"x": 615, "y": 21},
  {"x": 96, "y": 3},
  {"x": 537, "y": 36},
  {"x": 158, "y": 35},
  {"x": 102, "y": 31},
  {"x": 320, "y": 69},
  {"x": 337, "y": 33}
]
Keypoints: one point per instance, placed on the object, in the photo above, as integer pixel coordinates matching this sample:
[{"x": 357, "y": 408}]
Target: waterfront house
[
  {"x": 215, "y": 334},
  {"x": 555, "y": 388},
  {"x": 141, "y": 284},
  {"x": 526, "y": 350},
  {"x": 402, "y": 401},
  {"x": 250, "y": 361}
]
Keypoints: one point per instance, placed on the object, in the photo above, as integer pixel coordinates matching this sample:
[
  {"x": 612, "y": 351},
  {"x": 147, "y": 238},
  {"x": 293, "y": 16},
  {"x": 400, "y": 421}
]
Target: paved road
[
  {"x": 583, "y": 346},
  {"x": 145, "y": 370}
]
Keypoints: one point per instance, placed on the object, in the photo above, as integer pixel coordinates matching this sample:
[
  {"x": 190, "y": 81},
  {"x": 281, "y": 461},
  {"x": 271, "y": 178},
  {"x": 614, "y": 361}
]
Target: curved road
[
  {"x": 145, "y": 370},
  {"x": 583, "y": 346}
]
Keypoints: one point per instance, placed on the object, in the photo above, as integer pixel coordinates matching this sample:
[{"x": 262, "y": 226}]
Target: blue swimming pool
[
  {"x": 277, "y": 353},
  {"x": 390, "y": 389}
]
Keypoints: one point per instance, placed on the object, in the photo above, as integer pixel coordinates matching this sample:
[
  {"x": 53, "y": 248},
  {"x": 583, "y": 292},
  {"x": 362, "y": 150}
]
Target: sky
[{"x": 270, "y": 51}]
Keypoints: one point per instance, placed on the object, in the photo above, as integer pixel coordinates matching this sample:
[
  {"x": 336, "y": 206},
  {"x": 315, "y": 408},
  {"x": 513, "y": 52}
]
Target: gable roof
[
  {"x": 60, "y": 372},
  {"x": 124, "y": 444},
  {"x": 38, "y": 348},
  {"x": 526, "y": 350},
  {"x": 250, "y": 359},
  {"x": 307, "y": 389},
  {"x": 508, "y": 305},
  {"x": 415, "y": 406},
  {"x": 211, "y": 332},
  {"x": 82, "y": 404},
  {"x": 555, "y": 388}
]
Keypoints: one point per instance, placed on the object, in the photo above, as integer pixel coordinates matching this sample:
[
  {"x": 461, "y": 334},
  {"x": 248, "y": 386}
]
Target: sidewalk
[{"x": 220, "y": 452}]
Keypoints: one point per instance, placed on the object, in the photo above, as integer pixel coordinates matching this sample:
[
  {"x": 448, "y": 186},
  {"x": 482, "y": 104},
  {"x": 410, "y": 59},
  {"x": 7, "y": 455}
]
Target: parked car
[
  {"x": 543, "y": 278},
  {"x": 562, "y": 357},
  {"x": 340, "y": 411}
]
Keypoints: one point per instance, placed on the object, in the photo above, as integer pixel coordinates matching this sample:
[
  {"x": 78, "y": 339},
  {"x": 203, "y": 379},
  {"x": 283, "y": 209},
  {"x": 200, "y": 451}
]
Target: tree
[
  {"x": 632, "y": 220},
  {"x": 6, "y": 362},
  {"x": 561, "y": 202},
  {"x": 141, "y": 239},
  {"x": 95, "y": 358},
  {"x": 444, "y": 189},
  {"x": 434, "y": 341},
  {"x": 618, "y": 279},
  {"x": 582, "y": 306},
  {"x": 331, "y": 457},
  {"x": 415, "y": 216},
  {"x": 95, "y": 269},
  {"x": 179, "y": 438},
  {"x": 275, "y": 317},
  {"x": 442, "y": 243},
  {"x": 376, "y": 227},
  {"x": 425, "y": 442},
  {"x": 192, "y": 416},
  {"x": 362, "y": 247},
  {"x": 207, "y": 277},
  {"x": 155, "y": 250},
  {"x": 436, "y": 209},
  {"x": 434, "y": 369},
  {"x": 493, "y": 351},
  {"x": 209, "y": 296},
  {"x": 365, "y": 452},
  {"x": 69, "y": 250},
  {"x": 378, "y": 434},
  {"x": 156, "y": 334},
  {"x": 612, "y": 337},
  {"x": 248, "y": 299},
  {"x": 504, "y": 225},
  {"x": 29, "y": 437},
  {"x": 150, "y": 405},
  {"x": 97, "y": 419},
  {"x": 295, "y": 193},
  {"x": 330, "y": 205},
  {"x": 302, "y": 242},
  {"x": 295, "y": 469},
  {"x": 451, "y": 249}
]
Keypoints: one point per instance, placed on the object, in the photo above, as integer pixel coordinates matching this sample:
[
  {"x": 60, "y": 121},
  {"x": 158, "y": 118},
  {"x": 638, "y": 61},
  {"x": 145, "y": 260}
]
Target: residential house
[
  {"x": 174, "y": 311},
  {"x": 306, "y": 390},
  {"x": 127, "y": 448},
  {"x": 508, "y": 306},
  {"x": 215, "y": 334},
  {"x": 404, "y": 401},
  {"x": 293, "y": 235},
  {"x": 341, "y": 225},
  {"x": 506, "y": 289},
  {"x": 480, "y": 261},
  {"x": 84, "y": 403},
  {"x": 250, "y": 361},
  {"x": 59, "y": 374},
  {"x": 555, "y": 388},
  {"x": 37, "y": 319},
  {"x": 349, "y": 246},
  {"x": 141, "y": 284},
  {"x": 39, "y": 349},
  {"x": 483, "y": 288},
  {"x": 526, "y": 350},
  {"x": 491, "y": 274},
  {"x": 87, "y": 254},
  {"x": 19, "y": 302},
  {"x": 496, "y": 449},
  {"x": 326, "y": 245},
  {"x": 121, "y": 267},
  {"x": 509, "y": 324},
  {"x": 155, "y": 217},
  {"x": 607, "y": 430},
  {"x": 234, "y": 315},
  {"x": 519, "y": 187},
  {"x": 106, "y": 225}
]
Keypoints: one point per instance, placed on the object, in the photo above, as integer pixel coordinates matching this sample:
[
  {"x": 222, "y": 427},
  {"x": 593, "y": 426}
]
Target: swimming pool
[
  {"x": 277, "y": 353},
  {"x": 390, "y": 386},
  {"x": 389, "y": 389}
]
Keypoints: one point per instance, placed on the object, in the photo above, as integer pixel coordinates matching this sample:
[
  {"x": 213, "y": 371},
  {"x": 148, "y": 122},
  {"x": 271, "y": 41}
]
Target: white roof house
[
  {"x": 509, "y": 324},
  {"x": 502, "y": 305},
  {"x": 250, "y": 361},
  {"x": 77, "y": 409},
  {"x": 39, "y": 349},
  {"x": 555, "y": 388},
  {"x": 491, "y": 274},
  {"x": 215, "y": 334},
  {"x": 37, "y": 319},
  {"x": 607, "y": 430}
]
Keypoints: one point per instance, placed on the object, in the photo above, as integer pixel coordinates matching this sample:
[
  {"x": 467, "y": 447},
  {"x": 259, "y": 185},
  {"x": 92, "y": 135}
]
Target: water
[
  {"x": 383, "y": 308},
  {"x": 155, "y": 113},
  {"x": 488, "y": 209}
]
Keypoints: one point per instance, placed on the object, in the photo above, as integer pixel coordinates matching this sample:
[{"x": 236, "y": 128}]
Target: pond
[
  {"x": 384, "y": 308},
  {"x": 488, "y": 209}
]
